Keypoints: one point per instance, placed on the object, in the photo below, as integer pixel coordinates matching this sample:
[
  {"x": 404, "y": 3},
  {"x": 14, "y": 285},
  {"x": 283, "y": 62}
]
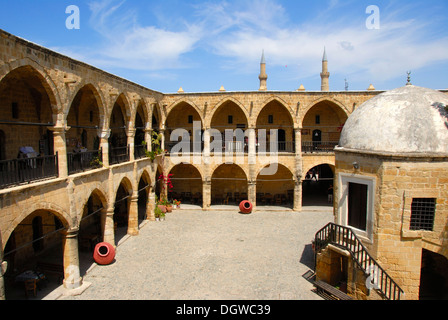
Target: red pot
[
  {"x": 162, "y": 207},
  {"x": 104, "y": 253},
  {"x": 246, "y": 206}
]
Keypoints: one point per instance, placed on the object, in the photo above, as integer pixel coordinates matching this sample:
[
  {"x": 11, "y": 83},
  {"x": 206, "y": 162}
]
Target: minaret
[
  {"x": 263, "y": 76},
  {"x": 325, "y": 75}
]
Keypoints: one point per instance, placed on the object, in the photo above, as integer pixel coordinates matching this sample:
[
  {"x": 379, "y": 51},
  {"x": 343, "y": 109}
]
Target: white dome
[{"x": 409, "y": 119}]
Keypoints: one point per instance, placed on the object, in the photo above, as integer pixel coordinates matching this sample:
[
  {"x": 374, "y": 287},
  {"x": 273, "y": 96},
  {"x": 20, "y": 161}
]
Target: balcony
[
  {"x": 84, "y": 161},
  {"x": 20, "y": 171},
  {"x": 318, "y": 146}
]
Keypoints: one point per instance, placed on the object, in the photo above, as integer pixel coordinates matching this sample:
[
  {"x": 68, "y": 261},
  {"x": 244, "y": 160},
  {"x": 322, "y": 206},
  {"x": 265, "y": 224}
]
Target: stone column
[
  {"x": 104, "y": 144},
  {"x": 3, "y": 266},
  {"x": 252, "y": 193},
  {"x": 150, "y": 206},
  {"x": 148, "y": 139},
  {"x": 60, "y": 146},
  {"x": 206, "y": 193},
  {"x": 133, "y": 214},
  {"x": 72, "y": 277},
  {"x": 298, "y": 173},
  {"x": 131, "y": 143},
  {"x": 107, "y": 222}
]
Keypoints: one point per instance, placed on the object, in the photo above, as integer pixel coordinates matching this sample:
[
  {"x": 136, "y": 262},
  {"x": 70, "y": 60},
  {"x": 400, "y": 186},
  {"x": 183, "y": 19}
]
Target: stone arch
[
  {"x": 220, "y": 104},
  {"x": 45, "y": 79},
  {"x": 282, "y": 102},
  {"x": 310, "y": 165},
  {"x": 187, "y": 182},
  {"x": 229, "y": 182},
  {"x": 184, "y": 101},
  {"x": 67, "y": 221},
  {"x": 99, "y": 97},
  {"x": 306, "y": 109}
]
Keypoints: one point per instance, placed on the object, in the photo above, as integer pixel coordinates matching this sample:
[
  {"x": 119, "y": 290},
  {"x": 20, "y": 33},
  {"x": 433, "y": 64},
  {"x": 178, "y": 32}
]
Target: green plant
[
  {"x": 158, "y": 212},
  {"x": 96, "y": 161}
]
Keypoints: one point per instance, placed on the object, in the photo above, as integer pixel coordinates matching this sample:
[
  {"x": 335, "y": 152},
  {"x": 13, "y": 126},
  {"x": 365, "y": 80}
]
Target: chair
[
  {"x": 226, "y": 199},
  {"x": 30, "y": 285}
]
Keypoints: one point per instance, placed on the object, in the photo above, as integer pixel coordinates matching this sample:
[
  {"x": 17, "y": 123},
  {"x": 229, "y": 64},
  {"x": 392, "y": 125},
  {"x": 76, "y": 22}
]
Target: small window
[
  {"x": 318, "y": 119},
  {"x": 422, "y": 213},
  {"x": 91, "y": 116},
  {"x": 190, "y": 119},
  {"x": 270, "y": 119},
  {"x": 230, "y": 119},
  {"x": 15, "y": 110}
]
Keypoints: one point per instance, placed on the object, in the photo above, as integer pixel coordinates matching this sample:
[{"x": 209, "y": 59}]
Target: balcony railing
[
  {"x": 83, "y": 161},
  {"x": 119, "y": 155},
  {"x": 139, "y": 151},
  {"x": 318, "y": 146},
  {"x": 18, "y": 171}
]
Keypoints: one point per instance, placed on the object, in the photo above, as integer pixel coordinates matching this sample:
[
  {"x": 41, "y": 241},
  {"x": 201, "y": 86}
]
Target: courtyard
[{"x": 214, "y": 255}]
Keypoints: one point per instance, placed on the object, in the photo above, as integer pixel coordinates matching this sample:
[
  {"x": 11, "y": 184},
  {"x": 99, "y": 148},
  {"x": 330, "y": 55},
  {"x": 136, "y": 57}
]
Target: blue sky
[{"x": 203, "y": 45}]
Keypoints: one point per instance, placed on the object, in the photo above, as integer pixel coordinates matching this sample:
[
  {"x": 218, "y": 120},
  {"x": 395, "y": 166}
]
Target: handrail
[{"x": 345, "y": 238}]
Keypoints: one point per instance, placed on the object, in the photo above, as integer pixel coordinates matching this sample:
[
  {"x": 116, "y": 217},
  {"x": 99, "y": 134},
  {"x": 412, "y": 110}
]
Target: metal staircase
[{"x": 345, "y": 238}]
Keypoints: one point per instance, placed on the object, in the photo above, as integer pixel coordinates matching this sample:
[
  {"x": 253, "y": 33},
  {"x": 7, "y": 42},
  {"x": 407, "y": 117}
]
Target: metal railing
[
  {"x": 318, "y": 146},
  {"x": 83, "y": 161},
  {"x": 18, "y": 171},
  {"x": 345, "y": 238},
  {"x": 139, "y": 151},
  {"x": 118, "y": 155}
]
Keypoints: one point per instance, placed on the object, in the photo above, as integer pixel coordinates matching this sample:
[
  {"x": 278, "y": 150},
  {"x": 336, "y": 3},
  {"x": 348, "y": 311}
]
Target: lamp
[{"x": 356, "y": 165}]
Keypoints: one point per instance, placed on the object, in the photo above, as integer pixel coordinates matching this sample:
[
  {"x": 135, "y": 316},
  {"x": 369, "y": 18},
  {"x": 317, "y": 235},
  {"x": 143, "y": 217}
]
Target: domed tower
[{"x": 391, "y": 182}]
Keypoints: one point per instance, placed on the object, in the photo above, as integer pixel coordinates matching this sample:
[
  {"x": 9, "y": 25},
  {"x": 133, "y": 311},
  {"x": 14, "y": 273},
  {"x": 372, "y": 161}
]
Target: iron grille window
[{"x": 422, "y": 213}]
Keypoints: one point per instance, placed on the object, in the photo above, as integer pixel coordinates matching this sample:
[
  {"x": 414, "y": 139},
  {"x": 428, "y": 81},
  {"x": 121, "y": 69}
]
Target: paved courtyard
[{"x": 216, "y": 255}]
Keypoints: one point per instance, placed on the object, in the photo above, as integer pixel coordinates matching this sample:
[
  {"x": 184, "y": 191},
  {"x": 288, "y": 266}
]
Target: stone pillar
[
  {"x": 206, "y": 193},
  {"x": 3, "y": 266},
  {"x": 107, "y": 223},
  {"x": 60, "y": 146},
  {"x": 133, "y": 214},
  {"x": 252, "y": 192},
  {"x": 150, "y": 206},
  {"x": 131, "y": 143},
  {"x": 72, "y": 276},
  {"x": 298, "y": 173},
  {"x": 104, "y": 145},
  {"x": 162, "y": 142},
  {"x": 148, "y": 139}
]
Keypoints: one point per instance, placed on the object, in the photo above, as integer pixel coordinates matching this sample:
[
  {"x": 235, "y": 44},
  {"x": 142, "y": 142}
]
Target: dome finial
[{"x": 409, "y": 79}]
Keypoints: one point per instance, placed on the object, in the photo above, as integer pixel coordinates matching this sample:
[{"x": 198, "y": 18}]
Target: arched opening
[
  {"x": 121, "y": 211},
  {"x": 25, "y": 114},
  {"x": 156, "y": 122},
  {"x": 322, "y": 126},
  {"x": 184, "y": 116},
  {"x": 90, "y": 230},
  {"x": 187, "y": 184},
  {"x": 83, "y": 144},
  {"x": 34, "y": 245},
  {"x": 275, "y": 116},
  {"x": 229, "y": 185},
  {"x": 433, "y": 276},
  {"x": 231, "y": 118},
  {"x": 317, "y": 186},
  {"x": 144, "y": 187},
  {"x": 2, "y": 145},
  {"x": 118, "y": 141},
  {"x": 140, "y": 126},
  {"x": 276, "y": 189}
]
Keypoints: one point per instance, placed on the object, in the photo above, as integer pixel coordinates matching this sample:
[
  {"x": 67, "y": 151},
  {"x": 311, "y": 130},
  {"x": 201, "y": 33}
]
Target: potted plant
[
  {"x": 176, "y": 204},
  {"x": 162, "y": 216},
  {"x": 161, "y": 205},
  {"x": 157, "y": 213},
  {"x": 169, "y": 206}
]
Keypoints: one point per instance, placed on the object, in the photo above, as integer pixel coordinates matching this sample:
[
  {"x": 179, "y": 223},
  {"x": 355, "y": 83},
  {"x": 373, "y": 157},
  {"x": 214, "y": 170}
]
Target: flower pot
[
  {"x": 104, "y": 253},
  {"x": 169, "y": 208},
  {"x": 246, "y": 206},
  {"x": 162, "y": 207}
]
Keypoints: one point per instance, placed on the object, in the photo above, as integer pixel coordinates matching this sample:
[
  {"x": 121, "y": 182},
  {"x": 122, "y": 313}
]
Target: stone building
[
  {"x": 391, "y": 190},
  {"x": 73, "y": 165}
]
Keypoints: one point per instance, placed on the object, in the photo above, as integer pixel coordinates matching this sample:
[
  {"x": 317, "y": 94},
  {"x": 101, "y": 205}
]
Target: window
[
  {"x": 190, "y": 119},
  {"x": 230, "y": 119},
  {"x": 270, "y": 119},
  {"x": 422, "y": 213},
  {"x": 318, "y": 119},
  {"x": 15, "y": 110},
  {"x": 357, "y": 205}
]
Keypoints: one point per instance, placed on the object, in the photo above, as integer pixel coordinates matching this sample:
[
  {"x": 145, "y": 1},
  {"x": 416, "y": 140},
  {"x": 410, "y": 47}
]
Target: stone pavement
[{"x": 214, "y": 255}]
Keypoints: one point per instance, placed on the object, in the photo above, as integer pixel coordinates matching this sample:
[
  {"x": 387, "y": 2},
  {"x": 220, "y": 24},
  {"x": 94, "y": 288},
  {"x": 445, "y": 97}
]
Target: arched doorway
[
  {"x": 277, "y": 189},
  {"x": 118, "y": 142},
  {"x": 82, "y": 138},
  {"x": 140, "y": 126},
  {"x": 144, "y": 187},
  {"x": 433, "y": 276},
  {"x": 187, "y": 184},
  {"x": 36, "y": 243},
  {"x": 90, "y": 229},
  {"x": 229, "y": 185},
  {"x": 121, "y": 211},
  {"x": 317, "y": 183}
]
